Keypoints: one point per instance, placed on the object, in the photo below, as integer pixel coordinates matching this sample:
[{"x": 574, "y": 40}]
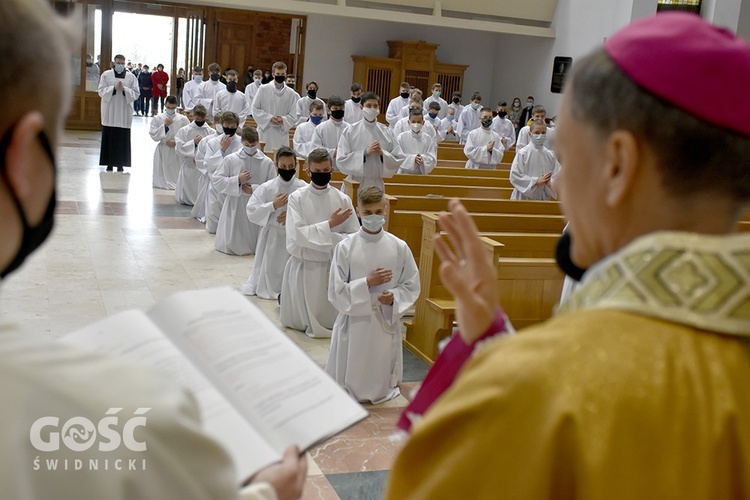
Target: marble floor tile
[{"x": 359, "y": 485}]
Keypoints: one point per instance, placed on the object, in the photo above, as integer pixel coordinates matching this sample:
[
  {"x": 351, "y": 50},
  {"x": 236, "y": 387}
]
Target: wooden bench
[
  {"x": 444, "y": 191},
  {"x": 438, "y": 204},
  {"x": 529, "y": 286}
]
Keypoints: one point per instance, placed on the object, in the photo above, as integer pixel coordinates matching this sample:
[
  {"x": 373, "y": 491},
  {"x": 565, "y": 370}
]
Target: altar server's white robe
[
  {"x": 270, "y": 102},
  {"x": 234, "y": 102},
  {"x": 439, "y": 100},
  {"x": 476, "y": 149},
  {"x": 186, "y": 191},
  {"x": 302, "y": 140},
  {"x": 412, "y": 144},
  {"x": 468, "y": 121},
  {"x": 505, "y": 129},
  {"x": 459, "y": 109},
  {"x": 250, "y": 92},
  {"x": 207, "y": 94},
  {"x": 353, "y": 148},
  {"x": 188, "y": 181},
  {"x": 352, "y": 111},
  {"x": 403, "y": 126},
  {"x": 190, "y": 96},
  {"x": 437, "y": 127},
  {"x": 235, "y": 234},
  {"x": 303, "y": 109},
  {"x": 404, "y": 113},
  {"x": 327, "y": 135},
  {"x": 310, "y": 242},
  {"x": 199, "y": 207},
  {"x": 270, "y": 252},
  {"x": 366, "y": 352},
  {"x": 394, "y": 108},
  {"x": 212, "y": 160},
  {"x": 450, "y": 129},
  {"x": 166, "y": 162},
  {"x": 117, "y": 109},
  {"x": 529, "y": 164}
]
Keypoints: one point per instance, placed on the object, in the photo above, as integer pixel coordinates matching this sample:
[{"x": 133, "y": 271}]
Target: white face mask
[
  {"x": 257, "y": 81},
  {"x": 250, "y": 150},
  {"x": 416, "y": 127},
  {"x": 197, "y": 78},
  {"x": 219, "y": 128},
  {"x": 170, "y": 112},
  {"x": 476, "y": 105},
  {"x": 370, "y": 114},
  {"x": 373, "y": 223},
  {"x": 538, "y": 139}
]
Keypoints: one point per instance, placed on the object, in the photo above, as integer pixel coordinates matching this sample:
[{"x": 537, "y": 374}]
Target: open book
[{"x": 257, "y": 390}]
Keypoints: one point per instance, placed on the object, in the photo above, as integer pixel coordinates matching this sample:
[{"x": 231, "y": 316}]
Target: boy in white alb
[
  {"x": 469, "y": 118},
  {"x": 232, "y": 99},
  {"x": 303, "y": 134},
  {"x": 368, "y": 151},
  {"x": 328, "y": 133},
  {"x": 433, "y": 119},
  {"x": 303, "y": 104},
  {"x": 217, "y": 148},
  {"x": 352, "y": 109},
  {"x": 503, "y": 126},
  {"x": 420, "y": 150},
  {"x": 374, "y": 281},
  {"x": 318, "y": 217},
  {"x": 191, "y": 90},
  {"x": 187, "y": 143},
  {"x": 524, "y": 135},
  {"x": 398, "y": 102},
  {"x": 484, "y": 148},
  {"x": 207, "y": 90},
  {"x": 267, "y": 209},
  {"x": 435, "y": 97},
  {"x": 199, "y": 207},
  {"x": 238, "y": 176},
  {"x": 252, "y": 89},
  {"x": 275, "y": 109},
  {"x": 163, "y": 129},
  {"x": 534, "y": 168}
]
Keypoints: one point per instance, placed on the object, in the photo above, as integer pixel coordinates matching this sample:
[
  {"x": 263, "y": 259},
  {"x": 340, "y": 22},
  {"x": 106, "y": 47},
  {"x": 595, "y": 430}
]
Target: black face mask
[
  {"x": 455, "y": 100},
  {"x": 215, "y": 77},
  {"x": 337, "y": 114},
  {"x": 32, "y": 237},
  {"x": 562, "y": 257},
  {"x": 232, "y": 87},
  {"x": 405, "y": 95},
  {"x": 290, "y": 85},
  {"x": 229, "y": 131},
  {"x": 287, "y": 175},
  {"x": 200, "y": 122},
  {"x": 320, "y": 179},
  {"x": 356, "y": 100},
  {"x": 279, "y": 78},
  {"x": 502, "y": 114},
  {"x": 312, "y": 93}
]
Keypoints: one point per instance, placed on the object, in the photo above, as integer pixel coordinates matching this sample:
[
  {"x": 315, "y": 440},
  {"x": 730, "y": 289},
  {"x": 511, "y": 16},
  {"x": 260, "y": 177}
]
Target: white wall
[
  {"x": 743, "y": 26},
  {"x": 331, "y": 41},
  {"x": 524, "y": 64}
]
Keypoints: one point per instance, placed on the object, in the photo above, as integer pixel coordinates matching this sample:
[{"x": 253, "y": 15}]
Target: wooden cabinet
[{"x": 412, "y": 62}]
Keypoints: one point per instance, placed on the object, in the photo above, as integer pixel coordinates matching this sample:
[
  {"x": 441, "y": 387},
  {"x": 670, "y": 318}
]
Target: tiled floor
[{"x": 120, "y": 244}]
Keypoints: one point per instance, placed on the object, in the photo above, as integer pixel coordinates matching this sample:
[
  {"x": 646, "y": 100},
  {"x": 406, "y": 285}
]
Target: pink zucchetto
[{"x": 690, "y": 63}]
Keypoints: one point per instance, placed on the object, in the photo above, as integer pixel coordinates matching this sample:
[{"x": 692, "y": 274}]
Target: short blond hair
[
  {"x": 48, "y": 51},
  {"x": 279, "y": 65},
  {"x": 369, "y": 195}
]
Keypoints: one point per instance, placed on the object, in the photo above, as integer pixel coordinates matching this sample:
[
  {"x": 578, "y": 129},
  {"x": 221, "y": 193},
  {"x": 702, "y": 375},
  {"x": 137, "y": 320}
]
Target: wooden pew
[
  {"x": 441, "y": 191},
  {"x": 434, "y": 204},
  {"x": 529, "y": 287},
  {"x": 410, "y": 226}
]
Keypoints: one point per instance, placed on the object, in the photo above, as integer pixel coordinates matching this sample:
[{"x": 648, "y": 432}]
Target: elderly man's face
[{"x": 581, "y": 186}]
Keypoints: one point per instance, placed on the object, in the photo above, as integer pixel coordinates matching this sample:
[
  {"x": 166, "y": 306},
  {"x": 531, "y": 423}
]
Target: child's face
[
  {"x": 316, "y": 112},
  {"x": 539, "y": 116},
  {"x": 324, "y": 166},
  {"x": 485, "y": 114},
  {"x": 377, "y": 208},
  {"x": 416, "y": 119},
  {"x": 336, "y": 108},
  {"x": 286, "y": 163},
  {"x": 249, "y": 144},
  {"x": 538, "y": 129}
]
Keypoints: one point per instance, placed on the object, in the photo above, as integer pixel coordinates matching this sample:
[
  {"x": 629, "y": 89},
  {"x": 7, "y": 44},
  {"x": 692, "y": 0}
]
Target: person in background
[
  {"x": 44, "y": 378},
  {"x": 514, "y": 114},
  {"x": 190, "y": 94},
  {"x": 352, "y": 109},
  {"x": 534, "y": 167},
  {"x": 247, "y": 78},
  {"x": 159, "y": 80},
  {"x": 303, "y": 104},
  {"x": 145, "y": 86},
  {"x": 396, "y": 104},
  {"x": 179, "y": 85},
  {"x": 435, "y": 97},
  {"x": 118, "y": 89},
  {"x": 163, "y": 130},
  {"x": 456, "y": 105},
  {"x": 503, "y": 126}
]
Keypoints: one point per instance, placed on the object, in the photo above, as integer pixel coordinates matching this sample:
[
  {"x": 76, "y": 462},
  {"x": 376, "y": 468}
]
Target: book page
[
  {"x": 132, "y": 335},
  {"x": 287, "y": 397}
]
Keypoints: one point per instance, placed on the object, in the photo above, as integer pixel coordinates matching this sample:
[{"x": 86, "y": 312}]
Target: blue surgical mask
[
  {"x": 538, "y": 139},
  {"x": 450, "y": 117},
  {"x": 316, "y": 119},
  {"x": 119, "y": 68},
  {"x": 373, "y": 223},
  {"x": 436, "y": 94},
  {"x": 433, "y": 115},
  {"x": 197, "y": 78},
  {"x": 250, "y": 150},
  {"x": 476, "y": 105}
]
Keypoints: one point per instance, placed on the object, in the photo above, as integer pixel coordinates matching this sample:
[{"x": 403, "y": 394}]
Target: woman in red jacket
[{"x": 159, "y": 78}]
